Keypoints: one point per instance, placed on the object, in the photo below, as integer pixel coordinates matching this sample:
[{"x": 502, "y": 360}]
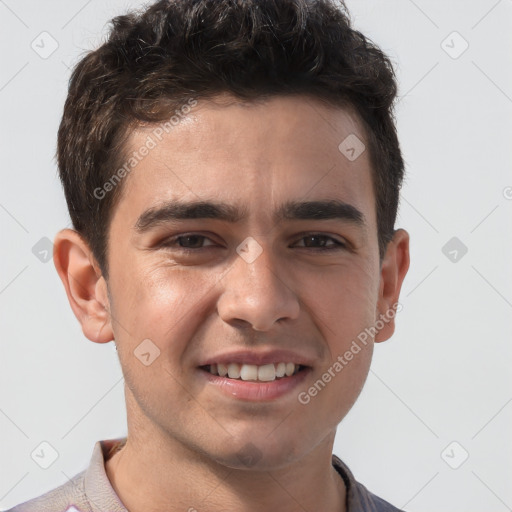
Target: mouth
[
  {"x": 256, "y": 383},
  {"x": 254, "y": 373},
  {"x": 256, "y": 376}
]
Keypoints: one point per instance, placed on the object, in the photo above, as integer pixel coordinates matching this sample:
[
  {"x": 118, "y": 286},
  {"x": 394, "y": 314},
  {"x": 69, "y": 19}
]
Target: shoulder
[
  {"x": 60, "y": 499},
  {"x": 359, "y": 498},
  {"x": 87, "y": 491}
]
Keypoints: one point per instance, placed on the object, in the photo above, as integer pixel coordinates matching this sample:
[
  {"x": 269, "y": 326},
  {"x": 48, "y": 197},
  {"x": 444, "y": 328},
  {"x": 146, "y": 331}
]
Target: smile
[{"x": 251, "y": 372}]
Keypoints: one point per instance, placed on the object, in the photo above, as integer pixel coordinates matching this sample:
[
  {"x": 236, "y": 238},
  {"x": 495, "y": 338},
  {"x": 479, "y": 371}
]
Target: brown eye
[
  {"x": 187, "y": 242},
  {"x": 321, "y": 242}
]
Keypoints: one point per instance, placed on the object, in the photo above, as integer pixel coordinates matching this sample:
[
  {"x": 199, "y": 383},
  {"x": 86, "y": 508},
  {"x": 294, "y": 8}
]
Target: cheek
[
  {"x": 346, "y": 301},
  {"x": 348, "y": 309},
  {"x": 352, "y": 306},
  {"x": 162, "y": 304},
  {"x": 159, "y": 305},
  {"x": 348, "y": 383}
]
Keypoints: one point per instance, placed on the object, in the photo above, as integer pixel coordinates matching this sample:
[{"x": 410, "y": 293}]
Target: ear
[
  {"x": 84, "y": 283},
  {"x": 393, "y": 269}
]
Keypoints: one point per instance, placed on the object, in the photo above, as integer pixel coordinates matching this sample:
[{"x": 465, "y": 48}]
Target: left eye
[
  {"x": 316, "y": 236},
  {"x": 192, "y": 242}
]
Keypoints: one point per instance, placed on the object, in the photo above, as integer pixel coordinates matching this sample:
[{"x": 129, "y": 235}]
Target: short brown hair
[{"x": 156, "y": 59}]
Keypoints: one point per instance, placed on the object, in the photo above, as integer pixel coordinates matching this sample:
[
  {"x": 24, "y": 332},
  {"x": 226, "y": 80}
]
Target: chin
[
  {"x": 252, "y": 459},
  {"x": 259, "y": 453}
]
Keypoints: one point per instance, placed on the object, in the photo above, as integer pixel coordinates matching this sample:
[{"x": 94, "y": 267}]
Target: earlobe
[
  {"x": 84, "y": 284},
  {"x": 394, "y": 268}
]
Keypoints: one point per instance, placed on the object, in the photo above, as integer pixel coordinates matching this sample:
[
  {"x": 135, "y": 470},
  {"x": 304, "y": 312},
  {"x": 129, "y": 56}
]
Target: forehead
[{"x": 256, "y": 156}]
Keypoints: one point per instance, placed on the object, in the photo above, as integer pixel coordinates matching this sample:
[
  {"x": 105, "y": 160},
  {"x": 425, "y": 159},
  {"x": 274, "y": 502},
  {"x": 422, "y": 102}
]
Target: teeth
[
  {"x": 267, "y": 372},
  {"x": 249, "y": 372},
  {"x": 263, "y": 373},
  {"x": 281, "y": 370},
  {"x": 233, "y": 371}
]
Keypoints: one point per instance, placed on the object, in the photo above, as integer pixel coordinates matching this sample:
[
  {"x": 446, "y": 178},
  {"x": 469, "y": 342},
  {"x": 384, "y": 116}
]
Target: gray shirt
[{"x": 91, "y": 491}]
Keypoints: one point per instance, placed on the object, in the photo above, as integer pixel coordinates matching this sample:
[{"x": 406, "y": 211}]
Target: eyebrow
[{"x": 291, "y": 210}]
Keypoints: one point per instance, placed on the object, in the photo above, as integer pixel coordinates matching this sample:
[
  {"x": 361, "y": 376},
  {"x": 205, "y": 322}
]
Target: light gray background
[{"x": 443, "y": 377}]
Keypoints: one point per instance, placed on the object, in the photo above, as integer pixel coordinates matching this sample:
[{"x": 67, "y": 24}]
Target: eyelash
[{"x": 172, "y": 243}]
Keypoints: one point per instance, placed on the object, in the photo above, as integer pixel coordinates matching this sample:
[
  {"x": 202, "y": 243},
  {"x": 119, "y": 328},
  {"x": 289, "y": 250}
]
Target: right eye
[{"x": 187, "y": 243}]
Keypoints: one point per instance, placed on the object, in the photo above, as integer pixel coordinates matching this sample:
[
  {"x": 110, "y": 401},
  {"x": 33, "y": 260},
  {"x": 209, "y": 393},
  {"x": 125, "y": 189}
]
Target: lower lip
[{"x": 256, "y": 391}]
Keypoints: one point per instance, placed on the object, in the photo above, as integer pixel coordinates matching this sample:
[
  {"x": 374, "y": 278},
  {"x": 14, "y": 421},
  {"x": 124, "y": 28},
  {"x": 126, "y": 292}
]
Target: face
[{"x": 241, "y": 288}]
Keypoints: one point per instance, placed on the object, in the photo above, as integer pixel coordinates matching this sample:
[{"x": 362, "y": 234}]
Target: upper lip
[{"x": 258, "y": 357}]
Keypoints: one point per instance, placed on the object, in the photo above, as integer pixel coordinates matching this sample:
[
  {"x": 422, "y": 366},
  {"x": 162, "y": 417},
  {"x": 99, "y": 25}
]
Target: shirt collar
[{"x": 98, "y": 489}]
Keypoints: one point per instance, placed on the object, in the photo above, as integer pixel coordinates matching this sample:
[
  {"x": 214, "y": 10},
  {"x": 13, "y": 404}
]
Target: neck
[{"x": 151, "y": 474}]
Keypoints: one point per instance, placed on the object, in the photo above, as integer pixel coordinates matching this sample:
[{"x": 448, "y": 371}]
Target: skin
[{"x": 184, "y": 436}]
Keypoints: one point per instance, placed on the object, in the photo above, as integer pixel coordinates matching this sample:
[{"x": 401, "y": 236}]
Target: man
[{"x": 232, "y": 172}]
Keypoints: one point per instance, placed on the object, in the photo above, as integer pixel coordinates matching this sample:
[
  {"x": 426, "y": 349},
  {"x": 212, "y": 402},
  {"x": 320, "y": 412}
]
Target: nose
[{"x": 258, "y": 293}]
